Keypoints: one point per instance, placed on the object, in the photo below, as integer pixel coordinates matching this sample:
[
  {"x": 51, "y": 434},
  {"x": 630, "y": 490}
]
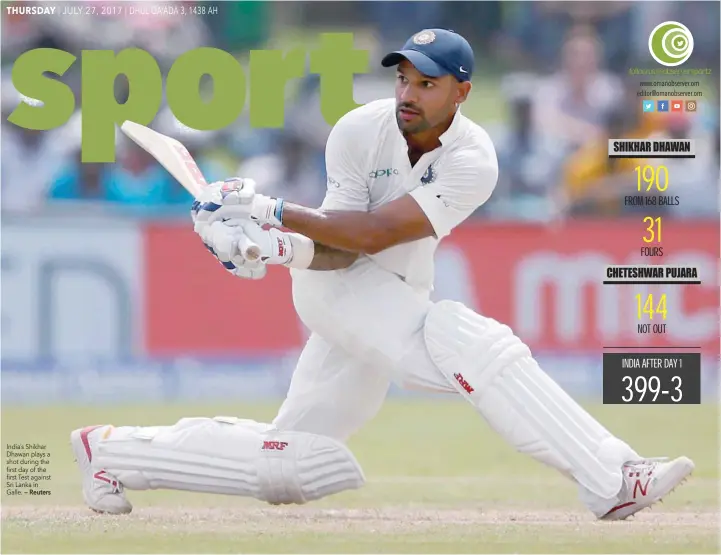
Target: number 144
[{"x": 647, "y": 306}]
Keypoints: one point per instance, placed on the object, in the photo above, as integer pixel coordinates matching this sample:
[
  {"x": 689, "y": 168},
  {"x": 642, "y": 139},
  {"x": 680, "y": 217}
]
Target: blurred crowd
[{"x": 552, "y": 86}]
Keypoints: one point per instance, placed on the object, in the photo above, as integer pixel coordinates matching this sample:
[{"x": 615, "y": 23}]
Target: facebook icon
[{"x": 663, "y": 105}]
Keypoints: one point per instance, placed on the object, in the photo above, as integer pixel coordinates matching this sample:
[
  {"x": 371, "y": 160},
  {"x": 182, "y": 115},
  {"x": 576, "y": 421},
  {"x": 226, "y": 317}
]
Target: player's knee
[
  {"x": 298, "y": 467},
  {"x": 457, "y": 337}
]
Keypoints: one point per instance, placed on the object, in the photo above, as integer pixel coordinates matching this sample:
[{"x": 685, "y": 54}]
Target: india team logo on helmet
[{"x": 424, "y": 37}]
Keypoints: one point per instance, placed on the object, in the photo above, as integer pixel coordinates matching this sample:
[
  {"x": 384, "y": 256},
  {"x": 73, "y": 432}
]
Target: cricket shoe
[
  {"x": 646, "y": 482},
  {"x": 102, "y": 492}
]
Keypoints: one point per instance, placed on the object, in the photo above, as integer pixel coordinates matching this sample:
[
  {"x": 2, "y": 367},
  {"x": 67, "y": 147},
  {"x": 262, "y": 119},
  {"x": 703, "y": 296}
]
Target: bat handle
[{"x": 248, "y": 249}]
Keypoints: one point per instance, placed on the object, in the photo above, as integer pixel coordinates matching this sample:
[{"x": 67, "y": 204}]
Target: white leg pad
[
  {"x": 227, "y": 455},
  {"x": 495, "y": 371}
]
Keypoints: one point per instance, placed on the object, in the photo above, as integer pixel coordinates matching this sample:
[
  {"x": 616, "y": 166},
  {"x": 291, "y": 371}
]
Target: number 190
[{"x": 652, "y": 177}]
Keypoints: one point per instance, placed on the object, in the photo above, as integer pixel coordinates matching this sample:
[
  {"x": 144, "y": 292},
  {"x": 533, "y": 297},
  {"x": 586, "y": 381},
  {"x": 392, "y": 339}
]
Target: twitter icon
[{"x": 648, "y": 105}]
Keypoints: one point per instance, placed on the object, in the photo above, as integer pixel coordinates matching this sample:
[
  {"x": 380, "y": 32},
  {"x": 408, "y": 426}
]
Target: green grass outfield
[{"x": 439, "y": 481}]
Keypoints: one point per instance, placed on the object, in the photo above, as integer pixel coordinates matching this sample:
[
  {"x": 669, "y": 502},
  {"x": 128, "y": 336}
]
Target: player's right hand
[{"x": 221, "y": 239}]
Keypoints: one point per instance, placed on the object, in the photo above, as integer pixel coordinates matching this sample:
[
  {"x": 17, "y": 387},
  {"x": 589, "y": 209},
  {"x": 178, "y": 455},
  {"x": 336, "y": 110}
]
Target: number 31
[{"x": 655, "y": 235}]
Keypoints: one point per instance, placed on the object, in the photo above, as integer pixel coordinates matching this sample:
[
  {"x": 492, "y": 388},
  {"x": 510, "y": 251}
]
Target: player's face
[{"x": 423, "y": 102}]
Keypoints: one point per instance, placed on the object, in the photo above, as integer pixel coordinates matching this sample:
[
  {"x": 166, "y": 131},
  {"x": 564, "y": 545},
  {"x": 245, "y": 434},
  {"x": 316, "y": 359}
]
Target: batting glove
[
  {"x": 275, "y": 246},
  {"x": 221, "y": 240},
  {"x": 235, "y": 198}
]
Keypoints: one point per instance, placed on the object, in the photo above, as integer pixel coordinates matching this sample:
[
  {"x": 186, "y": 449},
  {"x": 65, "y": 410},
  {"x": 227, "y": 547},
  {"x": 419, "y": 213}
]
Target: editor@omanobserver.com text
[{"x": 652, "y": 91}]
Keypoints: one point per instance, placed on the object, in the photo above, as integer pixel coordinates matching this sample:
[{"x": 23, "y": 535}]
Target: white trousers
[
  {"x": 367, "y": 330},
  {"x": 370, "y": 328}
]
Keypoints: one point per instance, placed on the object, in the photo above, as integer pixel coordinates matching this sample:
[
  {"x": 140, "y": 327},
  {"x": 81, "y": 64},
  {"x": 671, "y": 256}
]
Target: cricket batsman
[{"x": 402, "y": 174}]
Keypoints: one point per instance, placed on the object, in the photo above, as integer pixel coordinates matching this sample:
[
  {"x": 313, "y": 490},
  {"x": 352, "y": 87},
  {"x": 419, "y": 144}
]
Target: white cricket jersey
[{"x": 367, "y": 165}]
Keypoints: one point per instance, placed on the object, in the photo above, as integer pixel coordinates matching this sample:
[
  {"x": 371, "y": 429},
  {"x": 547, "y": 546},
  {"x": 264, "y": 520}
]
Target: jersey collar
[{"x": 451, "y": 134}]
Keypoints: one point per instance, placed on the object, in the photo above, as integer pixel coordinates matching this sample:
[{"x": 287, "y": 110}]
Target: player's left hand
[
  {"x": 235, "y": 199},
  {"x": 221, "y": 239}
]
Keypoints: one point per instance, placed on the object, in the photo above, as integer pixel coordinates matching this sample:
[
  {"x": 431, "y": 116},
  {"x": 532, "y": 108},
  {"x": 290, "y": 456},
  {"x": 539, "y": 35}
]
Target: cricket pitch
[{"x": 439, "y": 481}]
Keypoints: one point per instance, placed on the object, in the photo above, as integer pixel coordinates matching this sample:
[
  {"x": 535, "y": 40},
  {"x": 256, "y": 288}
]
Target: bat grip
[{"x": 248, "y": 249}]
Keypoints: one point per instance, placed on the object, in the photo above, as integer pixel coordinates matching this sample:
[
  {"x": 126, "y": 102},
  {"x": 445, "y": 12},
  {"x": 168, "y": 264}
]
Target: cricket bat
[{"x": 175, "y": 158}]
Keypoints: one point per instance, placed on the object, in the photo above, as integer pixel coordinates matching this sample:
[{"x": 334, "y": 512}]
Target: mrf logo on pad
[
  {"x": 274, "y": 445},
  {"x": 464, "y": 384}
]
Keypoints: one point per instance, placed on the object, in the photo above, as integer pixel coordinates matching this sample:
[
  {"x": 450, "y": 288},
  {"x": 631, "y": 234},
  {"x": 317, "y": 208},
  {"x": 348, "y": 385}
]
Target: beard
[{"x": 418, "y": 124}]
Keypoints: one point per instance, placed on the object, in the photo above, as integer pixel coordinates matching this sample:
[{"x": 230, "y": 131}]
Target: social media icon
[
  {"x": 670, "y": 43},
  {"x": 676, "y": 106},
  {"x": 662, "y": 106},
  {"x": 648, "y": 105},
  {"x": 690, "y": 105}
]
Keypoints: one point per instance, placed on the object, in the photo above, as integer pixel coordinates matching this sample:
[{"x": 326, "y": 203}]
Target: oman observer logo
[{"x": 670, "y": 43}]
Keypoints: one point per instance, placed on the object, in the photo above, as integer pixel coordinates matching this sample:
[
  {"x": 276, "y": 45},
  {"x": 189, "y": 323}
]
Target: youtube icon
[{"x": 676, "y": 106}]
